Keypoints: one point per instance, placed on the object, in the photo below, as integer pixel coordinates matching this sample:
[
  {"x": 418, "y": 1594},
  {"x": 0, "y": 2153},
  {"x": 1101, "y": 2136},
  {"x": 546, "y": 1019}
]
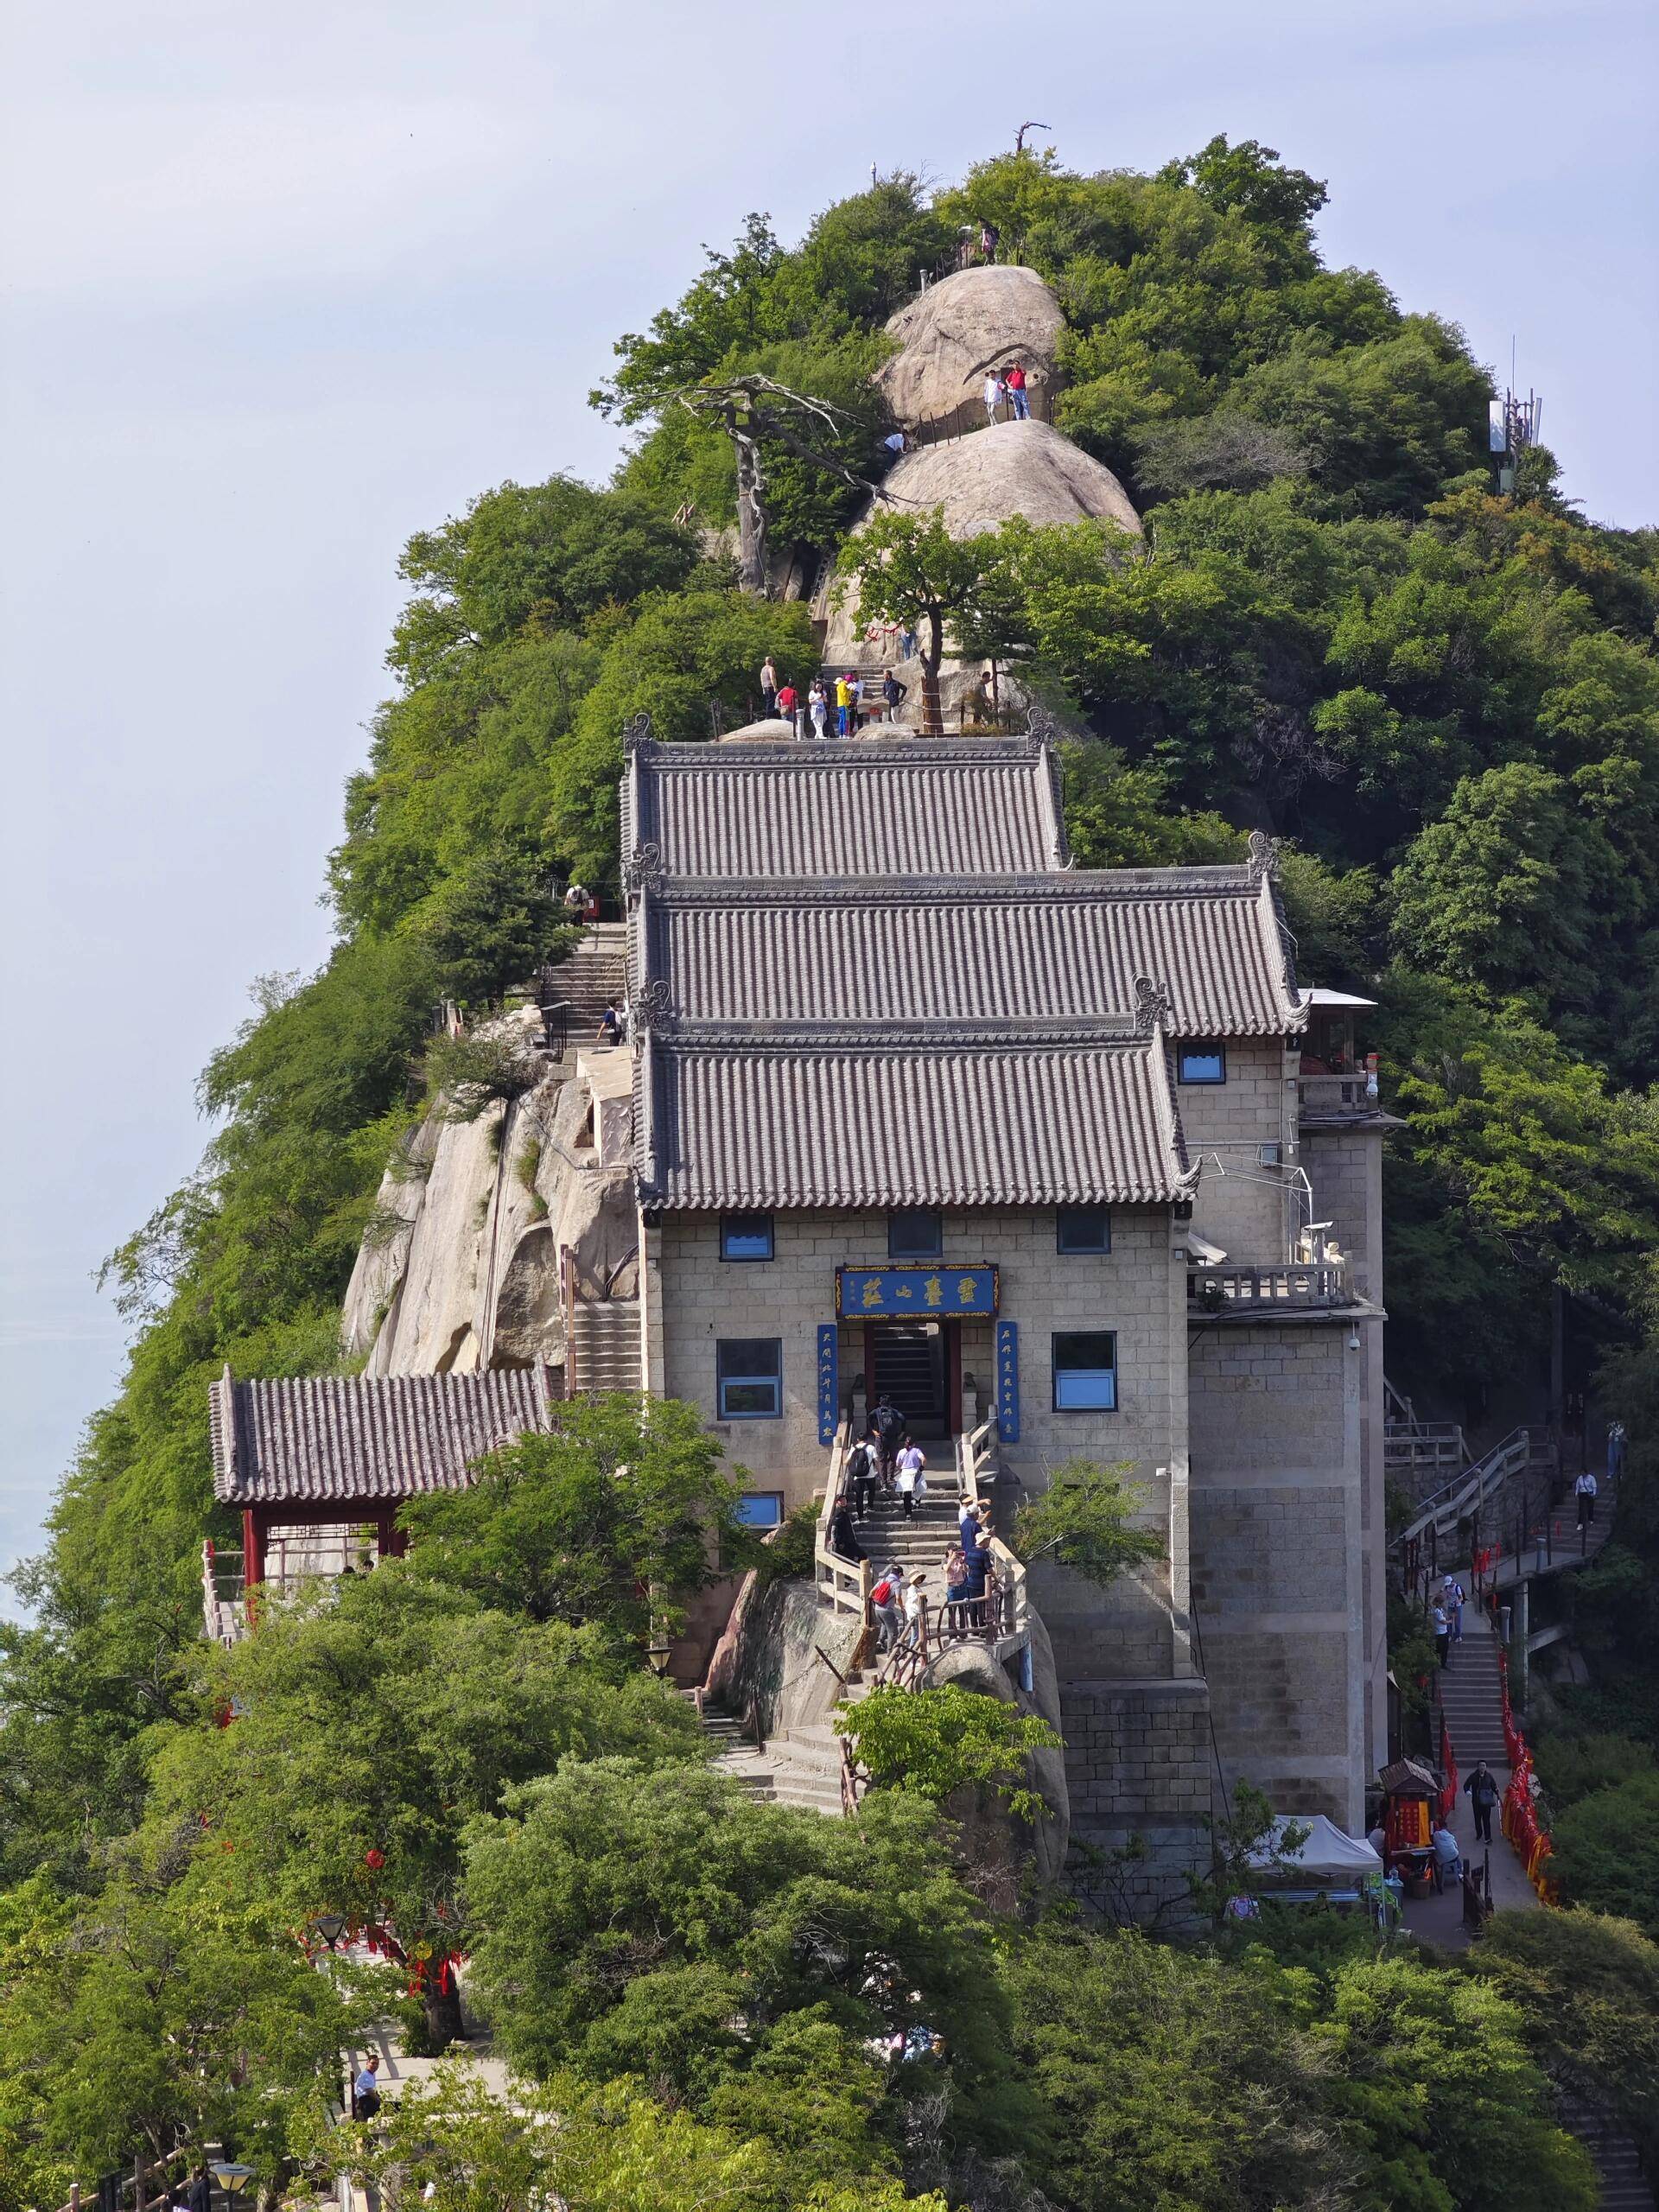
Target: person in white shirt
[
  {"x": 915, "y": 1633},
  {"x": 1585, "y": 1490},
  {"x": 910, "y": 1482},
  {"x": 994, "y": 392}
]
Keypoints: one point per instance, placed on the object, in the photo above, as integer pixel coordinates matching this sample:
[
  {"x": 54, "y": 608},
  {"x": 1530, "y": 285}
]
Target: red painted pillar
[
  {"x": 253, "y": 1547},
  {"x": 390, "y": 1542}
]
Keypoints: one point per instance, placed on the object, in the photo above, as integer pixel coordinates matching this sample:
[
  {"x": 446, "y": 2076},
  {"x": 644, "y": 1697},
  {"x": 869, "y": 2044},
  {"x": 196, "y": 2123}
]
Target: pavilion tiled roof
[
  {"x": 339, "y": 1438},
  {"x": 870, "y": 806},
  {"x": 1014, "y": 1115},
  {"x": 1060, "y": 946}
]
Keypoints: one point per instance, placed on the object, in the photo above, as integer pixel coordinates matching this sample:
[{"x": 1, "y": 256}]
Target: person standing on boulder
[
  {"x": 768, "y": 689},
  {"x": 788, "y": 704},
  {"x": 995, "y": 391},
  {"x": 987, "y": 238},
  {"x": 1017, "y": 400},
  {"x": 893, "y": 693},
  {"x": 843, "y": 706}
]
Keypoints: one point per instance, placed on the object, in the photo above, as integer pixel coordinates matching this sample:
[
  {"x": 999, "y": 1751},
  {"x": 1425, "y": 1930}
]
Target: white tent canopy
[{"x": 1327, "y": 1857}]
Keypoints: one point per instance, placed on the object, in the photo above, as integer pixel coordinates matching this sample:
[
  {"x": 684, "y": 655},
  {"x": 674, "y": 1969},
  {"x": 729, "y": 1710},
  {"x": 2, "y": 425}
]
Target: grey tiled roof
[
  {"x": 857, "y": 1121},
  {"x": 855, "y": 806},
  {"x": 339, "y": 1438},
  {"x": 1060, "y": 946}
]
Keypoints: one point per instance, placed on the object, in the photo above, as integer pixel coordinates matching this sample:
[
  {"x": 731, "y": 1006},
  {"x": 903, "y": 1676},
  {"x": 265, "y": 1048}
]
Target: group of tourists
[
  {"x": 1006, "y": 388},
  {"x": 887, "y": 1461},
  {"x": 1446, "y": 1618},
  {"x": 838, "y": 705}
]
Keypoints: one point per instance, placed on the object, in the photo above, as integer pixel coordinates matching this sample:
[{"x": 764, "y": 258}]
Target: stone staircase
[
  {"x": 1624, "y": 2188},
  {"x": 594, "y": 972},
  {"x": 799, "y": 1767},
  {"x": 1471, "y": 1697},
  {"x": 604, "y": 1351}
]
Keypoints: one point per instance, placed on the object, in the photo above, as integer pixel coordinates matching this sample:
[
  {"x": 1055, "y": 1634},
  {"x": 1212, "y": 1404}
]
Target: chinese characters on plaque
[{"x": 933, "y": 1293}]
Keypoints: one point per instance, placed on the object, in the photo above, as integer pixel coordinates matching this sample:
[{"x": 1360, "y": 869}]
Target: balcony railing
[
  {"x": 1329, "y": 1097},
  {"x": 1295, "y": 1284}
]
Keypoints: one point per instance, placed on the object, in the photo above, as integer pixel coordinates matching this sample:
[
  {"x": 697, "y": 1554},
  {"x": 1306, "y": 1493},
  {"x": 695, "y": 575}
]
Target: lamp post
[
  {"x": 232, "y": 2178},
  {"x": 331, "y": 1926}
]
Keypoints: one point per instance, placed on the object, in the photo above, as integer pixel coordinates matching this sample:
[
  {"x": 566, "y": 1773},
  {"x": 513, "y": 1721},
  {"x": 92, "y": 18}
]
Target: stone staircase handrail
[
  {"x": 975, "y": 1456},
  {"x": 843, "y": 1584},
  {"x": 1469, "y": 1490}
]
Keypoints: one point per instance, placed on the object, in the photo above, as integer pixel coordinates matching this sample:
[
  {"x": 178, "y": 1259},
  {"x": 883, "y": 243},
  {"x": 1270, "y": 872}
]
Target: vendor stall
[
  {"x": 1325, "y": 1865},
  {"x": 1410, "y": 1792}
]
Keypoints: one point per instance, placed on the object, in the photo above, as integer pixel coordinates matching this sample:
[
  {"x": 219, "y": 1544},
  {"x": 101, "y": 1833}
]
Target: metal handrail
[
  {"x": 843, "y": 1584},
  {"x": 1471, "y": 1488}
]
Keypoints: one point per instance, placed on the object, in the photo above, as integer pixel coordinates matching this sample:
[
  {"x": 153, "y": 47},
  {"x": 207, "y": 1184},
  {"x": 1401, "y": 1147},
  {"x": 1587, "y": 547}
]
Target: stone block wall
[
  {"x": 1138, "y": 1772},
  {"x": 1248, "y": 1209},
  {"x": 1280, "y": 1558}
]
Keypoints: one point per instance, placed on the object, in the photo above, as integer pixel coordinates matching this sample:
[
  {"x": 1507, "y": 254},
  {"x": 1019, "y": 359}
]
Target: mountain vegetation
[{"x": 1445, "y": 697}]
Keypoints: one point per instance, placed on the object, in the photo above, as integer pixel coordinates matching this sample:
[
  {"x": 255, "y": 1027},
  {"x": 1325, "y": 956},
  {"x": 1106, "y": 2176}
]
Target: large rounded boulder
[{"x": 950, "y": 334}]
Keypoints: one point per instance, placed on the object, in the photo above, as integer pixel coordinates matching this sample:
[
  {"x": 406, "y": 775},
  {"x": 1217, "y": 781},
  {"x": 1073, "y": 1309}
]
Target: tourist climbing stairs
[
  {"x": 918, "y": 1540},
  {"x": 594, "y": 972},
  {"x": 1471, "y": 1696}
]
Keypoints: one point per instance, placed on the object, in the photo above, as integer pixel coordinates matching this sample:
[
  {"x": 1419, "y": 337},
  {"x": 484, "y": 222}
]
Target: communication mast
[{"x": 1513, "y": 425}]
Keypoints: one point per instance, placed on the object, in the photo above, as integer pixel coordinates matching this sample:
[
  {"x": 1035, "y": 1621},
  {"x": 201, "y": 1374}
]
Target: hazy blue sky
[{"x": 283, "y": 284}]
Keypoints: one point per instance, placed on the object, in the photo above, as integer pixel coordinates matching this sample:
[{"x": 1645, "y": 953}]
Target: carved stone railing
[{"x": 1298, "y": 1284}]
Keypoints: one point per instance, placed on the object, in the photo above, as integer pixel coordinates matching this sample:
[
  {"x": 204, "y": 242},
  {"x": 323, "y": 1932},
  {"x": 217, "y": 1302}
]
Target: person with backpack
[
  {"x": 861, "y": 1478},
  {"x": 886, "y": 1598},
  {"x": 887, "y": 1426},
  {"x": 1442, "y": 1629},
  {"x": 910, "y": 1482}
]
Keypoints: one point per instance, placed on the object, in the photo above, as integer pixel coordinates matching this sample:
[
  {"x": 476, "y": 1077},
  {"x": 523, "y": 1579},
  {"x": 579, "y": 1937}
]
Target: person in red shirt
[
  {"x": 1015, "y": 381},
  {"x": 788, "y": 706}
]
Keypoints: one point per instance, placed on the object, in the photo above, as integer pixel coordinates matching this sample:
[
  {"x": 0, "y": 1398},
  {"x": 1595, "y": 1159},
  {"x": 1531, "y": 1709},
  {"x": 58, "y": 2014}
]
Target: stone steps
[{"x": 1624, "y": 2188}]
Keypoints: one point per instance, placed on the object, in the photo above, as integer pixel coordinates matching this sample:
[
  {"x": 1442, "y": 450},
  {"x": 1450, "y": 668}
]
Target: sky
[{"x": 279, "y": 286}]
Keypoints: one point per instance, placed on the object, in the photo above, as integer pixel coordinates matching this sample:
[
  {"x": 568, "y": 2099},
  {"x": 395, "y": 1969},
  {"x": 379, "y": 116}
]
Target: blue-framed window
[
  {"x": 1085, "y": 1372},
  {"x": 760, "y": 1508},
  {"x": 749, "y": 1378},
  {"x": 1202, "y": 1063},
  {"x": 915, "y": 1233},
  {"x": 1083, "y": 1228},
  {"x": 746, "y": 1236}
]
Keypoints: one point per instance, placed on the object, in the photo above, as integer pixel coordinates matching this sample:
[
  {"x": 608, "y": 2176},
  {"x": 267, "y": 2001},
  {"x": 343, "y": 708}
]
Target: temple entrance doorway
[{"x": 918, "y": 1366}]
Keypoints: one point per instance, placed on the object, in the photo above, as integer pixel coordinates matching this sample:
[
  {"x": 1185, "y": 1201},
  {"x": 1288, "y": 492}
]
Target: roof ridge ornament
[
  {"x": 1041, "y": 725},
  {"x": 1264, "y": 855},
  {"x": 643, "y": 870},
  {"x": 653, "y": 1009},
  {"x": 636, "y": 733},
  {"x": 1155, "y": 1008}
]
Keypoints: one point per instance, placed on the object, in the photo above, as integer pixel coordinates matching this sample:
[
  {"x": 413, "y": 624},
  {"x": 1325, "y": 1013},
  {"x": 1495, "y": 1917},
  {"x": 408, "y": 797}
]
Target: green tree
[
  {"x": 910, "y": 570},
  {"x": 1606, "y": 1851},
  {"x": 608, "y": 1521},
  {"x": 1587, "y": 1991},
  {"x": 1084, "y": 1521},
  {"x": 371, "y": 1726},
  {"x": 935, "y": 1741},
  {"x": 668, "y": 1922}
]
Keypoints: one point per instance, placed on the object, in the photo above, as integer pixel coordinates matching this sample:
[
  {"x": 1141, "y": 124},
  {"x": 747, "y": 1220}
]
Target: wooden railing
[
  {"x": 844, "y": 1585},
  {"x": 1417, "y": 1547},
  {"x": 1295, "y": 1283}
]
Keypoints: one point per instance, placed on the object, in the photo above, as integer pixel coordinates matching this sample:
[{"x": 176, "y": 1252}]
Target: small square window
[
  {"x": 1085, "y": 1372},
  {"x": 746, "y": 1236},
  {"x": 1203, "y": 1064},
  {"x": 749, "y": 1378},
  {"x": 760, "y": 1508},
  {"x": 915, "y": 1233},
  {"x": 1083, "y": 1228}
]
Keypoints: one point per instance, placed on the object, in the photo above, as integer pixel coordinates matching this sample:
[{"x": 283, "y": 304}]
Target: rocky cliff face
[
  {"x": 950, "y": 334},
  {"x": 461, "y": 1267}
]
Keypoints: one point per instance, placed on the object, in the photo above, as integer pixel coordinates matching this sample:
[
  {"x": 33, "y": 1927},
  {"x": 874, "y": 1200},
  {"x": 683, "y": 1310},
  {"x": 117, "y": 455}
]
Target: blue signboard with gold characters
[
  {"x": 828, "y": 1382},
  {"x": 913, "y": 1294}
]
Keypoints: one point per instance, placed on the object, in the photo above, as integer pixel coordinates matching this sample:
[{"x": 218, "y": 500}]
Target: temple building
[
  {"x": 911, "y": 1105},
  {"x": 920, "y": 1108}
]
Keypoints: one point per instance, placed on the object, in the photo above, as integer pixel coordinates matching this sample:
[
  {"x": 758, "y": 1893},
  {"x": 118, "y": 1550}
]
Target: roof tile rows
[
  {"x": 846, "y": 807},
  {"x": 981, "y": 949},
  {"x": 340, "y": 1438},
  {"x": 925, "y": 1125}
]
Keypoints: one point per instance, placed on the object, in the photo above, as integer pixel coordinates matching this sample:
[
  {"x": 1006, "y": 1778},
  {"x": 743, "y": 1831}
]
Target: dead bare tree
[{"x": 747, "y": 408}]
